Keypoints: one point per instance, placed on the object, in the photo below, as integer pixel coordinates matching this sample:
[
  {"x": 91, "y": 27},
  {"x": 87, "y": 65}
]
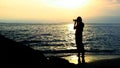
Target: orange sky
[{"x": 57, "y": 10}]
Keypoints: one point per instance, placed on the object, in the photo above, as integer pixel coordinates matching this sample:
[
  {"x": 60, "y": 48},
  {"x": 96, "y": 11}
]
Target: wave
[
  {"x": 75, "y": 51},
  {"x": 46, "y": 34},
  {"x": 42, "y": 41}
]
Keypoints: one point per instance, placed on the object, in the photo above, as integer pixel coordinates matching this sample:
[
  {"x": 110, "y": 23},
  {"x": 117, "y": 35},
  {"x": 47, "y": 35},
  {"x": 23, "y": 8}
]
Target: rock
[{"x": 17, "y": 55}]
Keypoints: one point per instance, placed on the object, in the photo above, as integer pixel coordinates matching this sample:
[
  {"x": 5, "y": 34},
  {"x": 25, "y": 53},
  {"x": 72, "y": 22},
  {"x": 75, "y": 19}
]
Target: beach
[
  {"x": 96, "y": 61},
  {"x": 91, "y": 58},
  {"x": 53, "y": 33}
]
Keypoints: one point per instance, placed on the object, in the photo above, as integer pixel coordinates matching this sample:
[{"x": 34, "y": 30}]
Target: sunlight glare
[
  {"x": 70, "y": 27},
  {"x": 74, "y": 59},
  {"x": 67, "y": 3}
]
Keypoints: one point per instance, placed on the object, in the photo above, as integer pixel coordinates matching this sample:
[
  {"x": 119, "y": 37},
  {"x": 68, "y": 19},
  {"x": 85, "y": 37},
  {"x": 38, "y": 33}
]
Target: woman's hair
[{"x": 79, "y": 19}]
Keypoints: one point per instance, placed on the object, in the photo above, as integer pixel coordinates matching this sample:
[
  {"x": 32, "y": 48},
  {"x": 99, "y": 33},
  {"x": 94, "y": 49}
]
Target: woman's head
[{"x": 79, "y": 19}]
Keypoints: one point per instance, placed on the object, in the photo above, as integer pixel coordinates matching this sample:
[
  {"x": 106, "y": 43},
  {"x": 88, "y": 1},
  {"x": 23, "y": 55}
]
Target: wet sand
[
  {"x": 96, "y": 61},
  {"x": 90, "y": 58}
]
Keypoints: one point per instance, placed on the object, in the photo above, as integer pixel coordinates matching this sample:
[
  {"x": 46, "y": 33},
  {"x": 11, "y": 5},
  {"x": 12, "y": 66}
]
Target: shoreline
[
  {"x": 96, "y": 61},
  {"x": 91, "y": 58},
  {"x": 114, "y": 62}
]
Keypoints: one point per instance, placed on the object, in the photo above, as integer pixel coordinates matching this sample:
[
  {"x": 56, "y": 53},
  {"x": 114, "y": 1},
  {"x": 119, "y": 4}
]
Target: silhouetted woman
[{"x": 78, "y": 26}]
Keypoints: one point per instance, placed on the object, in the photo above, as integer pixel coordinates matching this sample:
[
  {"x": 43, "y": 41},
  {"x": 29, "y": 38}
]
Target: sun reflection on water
[{"x": 70, "y": 27}]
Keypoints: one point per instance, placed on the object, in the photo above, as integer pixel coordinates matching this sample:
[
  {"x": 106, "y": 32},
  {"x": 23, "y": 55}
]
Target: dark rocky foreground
[{"x": 17, "y": 55}]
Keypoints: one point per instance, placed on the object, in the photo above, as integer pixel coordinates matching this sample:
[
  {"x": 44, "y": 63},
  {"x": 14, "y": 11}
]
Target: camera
[{"x": 74, "y": 20}]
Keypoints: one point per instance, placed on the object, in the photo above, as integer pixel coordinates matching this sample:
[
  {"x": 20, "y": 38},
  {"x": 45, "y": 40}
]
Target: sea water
[{"x": 59, "y": 39}]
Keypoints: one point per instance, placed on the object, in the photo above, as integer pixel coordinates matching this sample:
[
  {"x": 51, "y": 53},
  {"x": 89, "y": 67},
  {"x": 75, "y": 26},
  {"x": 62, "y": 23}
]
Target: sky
[{"x": 59, "y": 10}]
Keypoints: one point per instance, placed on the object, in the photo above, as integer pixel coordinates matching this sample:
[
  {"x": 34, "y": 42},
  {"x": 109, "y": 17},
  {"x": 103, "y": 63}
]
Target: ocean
[{"x": 59, "y": 39}]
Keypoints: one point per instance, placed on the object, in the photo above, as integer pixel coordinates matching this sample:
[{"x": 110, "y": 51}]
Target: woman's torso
[{"x": 79, "y": 28}]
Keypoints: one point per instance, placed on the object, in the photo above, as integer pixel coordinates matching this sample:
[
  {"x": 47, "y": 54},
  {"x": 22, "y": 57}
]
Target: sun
[{"x": 67, "y": 3}]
